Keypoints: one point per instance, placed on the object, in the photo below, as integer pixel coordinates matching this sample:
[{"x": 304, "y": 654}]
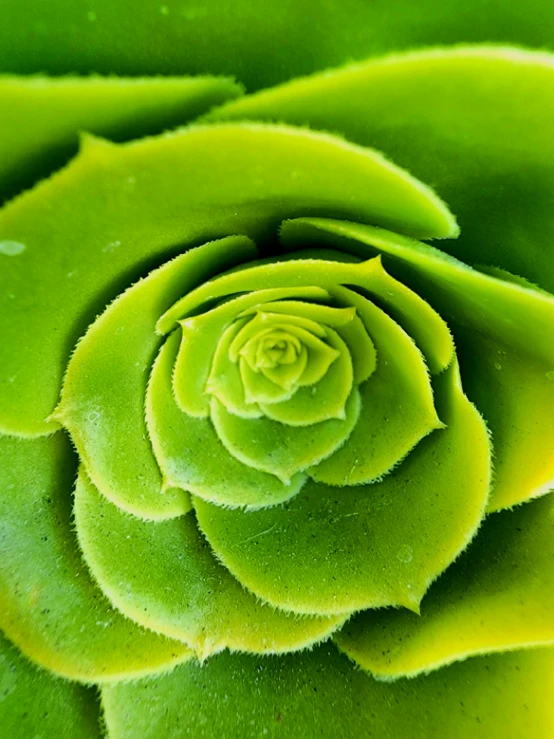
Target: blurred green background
[{"x": 261, "y": 42}]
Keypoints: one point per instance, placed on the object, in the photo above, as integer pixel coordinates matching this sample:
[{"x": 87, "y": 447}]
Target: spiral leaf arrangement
[{"x": 282, "y": 428}]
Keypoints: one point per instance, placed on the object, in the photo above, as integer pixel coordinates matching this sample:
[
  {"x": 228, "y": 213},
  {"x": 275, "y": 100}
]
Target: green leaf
[
  {"x": 499, "y": 595},
  {"x": 118, "y": 209},
  {"x": 476, "y": 122},
  {"x": 34, "y": 703},
  {"x": 103, "y": 395},
  {"x": 286, "y": 40},
  {"x": 319, "y": 693},
  {"x": 346, "y": 323},
  {"x": 318, "y": 268},
  {"x": 164, "y": 575},
  {"x": 278, "y": 448},
  {"x": 504, "y": 331},
  {"x": 515, "y": 393},
  {"x": 42, "y": 118},
  {"x": 191, "y": 455},
  {"x": 317, "y": 400},
  {"x": 203, "y": 340},
  {"x": 330, "y": 550},
  {"x": 225, "y": 381},
  {"x": 415, "y": 315},
  {"x": 49, "y": 606},
  {"x": 397, "y": 403},
  {"x": 292, "y": 353}
]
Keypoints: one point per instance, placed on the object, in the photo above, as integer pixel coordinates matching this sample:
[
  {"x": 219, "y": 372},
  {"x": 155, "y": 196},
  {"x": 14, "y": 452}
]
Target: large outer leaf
[
  {"x": 499, "y": 595},
  {"x": 476, "y": 123},
  {"x": 49, "y": 605},
  {"x": 318, "y": 695},
  {"x": 34, "y": 703},
  {"x": 287, "y": 38},
  {"x": 42, "y": 118}
]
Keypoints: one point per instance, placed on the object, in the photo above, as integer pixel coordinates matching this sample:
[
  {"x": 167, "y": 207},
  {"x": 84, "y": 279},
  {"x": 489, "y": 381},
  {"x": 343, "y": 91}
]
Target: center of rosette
[{"x": 277, "y": 354}]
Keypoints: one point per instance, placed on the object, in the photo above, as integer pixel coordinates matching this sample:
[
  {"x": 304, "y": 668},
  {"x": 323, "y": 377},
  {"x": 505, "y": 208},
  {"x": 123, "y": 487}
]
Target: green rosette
[{"x": 271, "y": 463}]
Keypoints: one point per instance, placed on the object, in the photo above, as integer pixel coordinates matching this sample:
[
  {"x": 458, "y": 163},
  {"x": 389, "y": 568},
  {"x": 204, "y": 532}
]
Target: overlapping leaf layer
[{"x": 246, "y": 410}]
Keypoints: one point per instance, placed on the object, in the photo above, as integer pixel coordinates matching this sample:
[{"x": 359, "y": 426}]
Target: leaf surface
[
  {"x": 319, "y": 693},
  {"x": 49, "y": 605},
  {"x": 499, "y": 595},
  {"x": 475, "y": 122},
  {"x": 42, "y": 118},
  {"x": 35, "y": 703},
  {"x": 164, "y": 575}
]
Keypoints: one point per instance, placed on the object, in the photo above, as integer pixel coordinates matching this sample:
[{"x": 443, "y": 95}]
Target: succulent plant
[{"x": 271, "y": 464}]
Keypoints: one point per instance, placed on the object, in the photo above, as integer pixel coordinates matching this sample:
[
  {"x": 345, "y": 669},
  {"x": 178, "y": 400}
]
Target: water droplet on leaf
[
  {"x": 405, "y": 554},
  {"x": 11, "y": 248}
]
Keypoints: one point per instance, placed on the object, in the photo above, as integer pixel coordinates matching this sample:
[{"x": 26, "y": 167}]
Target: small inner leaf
[
  {"x": 397, "y": 401},
  {"x": 192, "y": 457},
  {"x": 322, "y": 400},
  {"x": 201, "y": 336},
  {"x": 311, "y": 356},
  {"x": 279, "y": 449},
  {"x": 225, "y": 381}
]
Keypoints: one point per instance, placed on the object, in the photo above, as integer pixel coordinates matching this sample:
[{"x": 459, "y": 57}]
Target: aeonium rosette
[{"x": 290, "y": 420}]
